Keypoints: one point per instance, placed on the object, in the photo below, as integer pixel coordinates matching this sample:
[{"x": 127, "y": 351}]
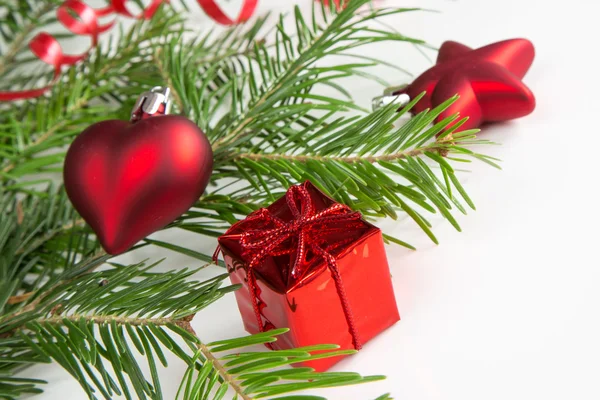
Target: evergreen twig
[
  {"x": 30, "y": 14},
  {"x": 259, "y": 98}
]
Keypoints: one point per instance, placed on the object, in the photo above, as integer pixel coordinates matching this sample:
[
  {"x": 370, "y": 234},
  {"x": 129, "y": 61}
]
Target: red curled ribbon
[
  {"x": 214, "y": 11},
  {"x": 306, "y": 231},
  {"x": 46, "y": 48}
]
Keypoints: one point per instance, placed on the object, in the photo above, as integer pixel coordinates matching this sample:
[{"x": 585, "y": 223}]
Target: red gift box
[{"x": 314, "y": 266}]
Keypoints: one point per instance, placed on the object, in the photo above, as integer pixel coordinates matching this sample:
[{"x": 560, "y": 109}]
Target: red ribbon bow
[{"x": 308, "y": 230}]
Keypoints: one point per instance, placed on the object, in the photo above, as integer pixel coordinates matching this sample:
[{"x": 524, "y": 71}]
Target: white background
[{"x": 507, "y": 309}]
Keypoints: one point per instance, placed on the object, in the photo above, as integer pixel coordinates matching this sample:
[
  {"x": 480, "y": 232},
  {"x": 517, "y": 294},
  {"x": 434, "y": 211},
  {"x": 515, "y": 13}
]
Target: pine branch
[
  {"x": 51, "y": 234},
  {"x": 39, "y": 296},
  {"x": 193, "y": 68},
  {"x": 108, "y": 319},
  {"x": 232, "y": 44},
  {"x": 271, "y": 79},
  {"x": 49, "y": 132},
  {"x": 253, "y": 375},
  {"x": 121, "y": 299},
  {"x": 435, "y": 147},
  {"x": 338, "y": 159},
  {"x": 26, "y": 16},
  {"x": 41, "y": 239},
  {"x": 275, "y": 120},
  {"x": 276, "y": 132},
  {"x": 157, "y": 61},
  {"x": 259, "y": 98},
  {"x": 220, "y": 369},
  {"x": 134, "y": 310}
]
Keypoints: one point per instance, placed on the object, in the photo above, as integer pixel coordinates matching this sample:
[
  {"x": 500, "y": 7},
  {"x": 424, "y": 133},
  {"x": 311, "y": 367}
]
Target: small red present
[{"x": 312, "y": 265}]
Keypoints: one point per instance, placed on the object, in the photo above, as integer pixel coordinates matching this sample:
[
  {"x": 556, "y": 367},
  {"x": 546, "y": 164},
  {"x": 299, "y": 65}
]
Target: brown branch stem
[
  {"x": 347, "y": 159},
  {"x": 106, "y": 319},
  {"x": 19, "y": 298},
  {"x": 183, "y": 323},
  {"x": 209, "y": 356}
]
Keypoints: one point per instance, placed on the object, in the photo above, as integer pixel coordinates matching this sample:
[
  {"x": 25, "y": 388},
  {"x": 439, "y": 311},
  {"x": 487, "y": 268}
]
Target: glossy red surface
[
  {"x": 311, "y": 306},
  {"x": 128, "y": 180},
  {"x": 488, "y": 81}
]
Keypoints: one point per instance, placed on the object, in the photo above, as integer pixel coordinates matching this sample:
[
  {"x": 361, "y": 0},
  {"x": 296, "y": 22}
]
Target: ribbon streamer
[
  {"x": 46, "y": 48},
  {"x": 306, "y": 231},
  {"x": 211, "y": 8}
]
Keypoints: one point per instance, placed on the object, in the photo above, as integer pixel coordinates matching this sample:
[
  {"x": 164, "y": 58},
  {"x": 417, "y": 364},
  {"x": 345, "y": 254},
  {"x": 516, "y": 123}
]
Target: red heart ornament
[{"x": 129, "y": 179}]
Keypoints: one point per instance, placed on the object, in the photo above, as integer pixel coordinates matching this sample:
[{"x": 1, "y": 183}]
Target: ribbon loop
[
  {"x": 118, "y": 6},
  {"x": 46, "y": 48},
  {"x": 86, "y": 22},
  {"x": 213, "y": 10}
]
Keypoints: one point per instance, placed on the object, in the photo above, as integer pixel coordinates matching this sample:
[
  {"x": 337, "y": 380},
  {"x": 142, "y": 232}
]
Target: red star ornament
[{"x": 488, "y": 81}]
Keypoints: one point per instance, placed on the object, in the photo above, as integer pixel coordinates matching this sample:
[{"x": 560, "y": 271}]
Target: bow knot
[{"x": 307, "y": 230}]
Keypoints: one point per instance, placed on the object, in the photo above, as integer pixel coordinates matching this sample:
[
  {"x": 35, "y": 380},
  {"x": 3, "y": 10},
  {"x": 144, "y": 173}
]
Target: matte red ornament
[
  {"x": 129, "y": 179},
  {"x": 487, "y": 79},
  {"x": 312, "y": 265}
]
